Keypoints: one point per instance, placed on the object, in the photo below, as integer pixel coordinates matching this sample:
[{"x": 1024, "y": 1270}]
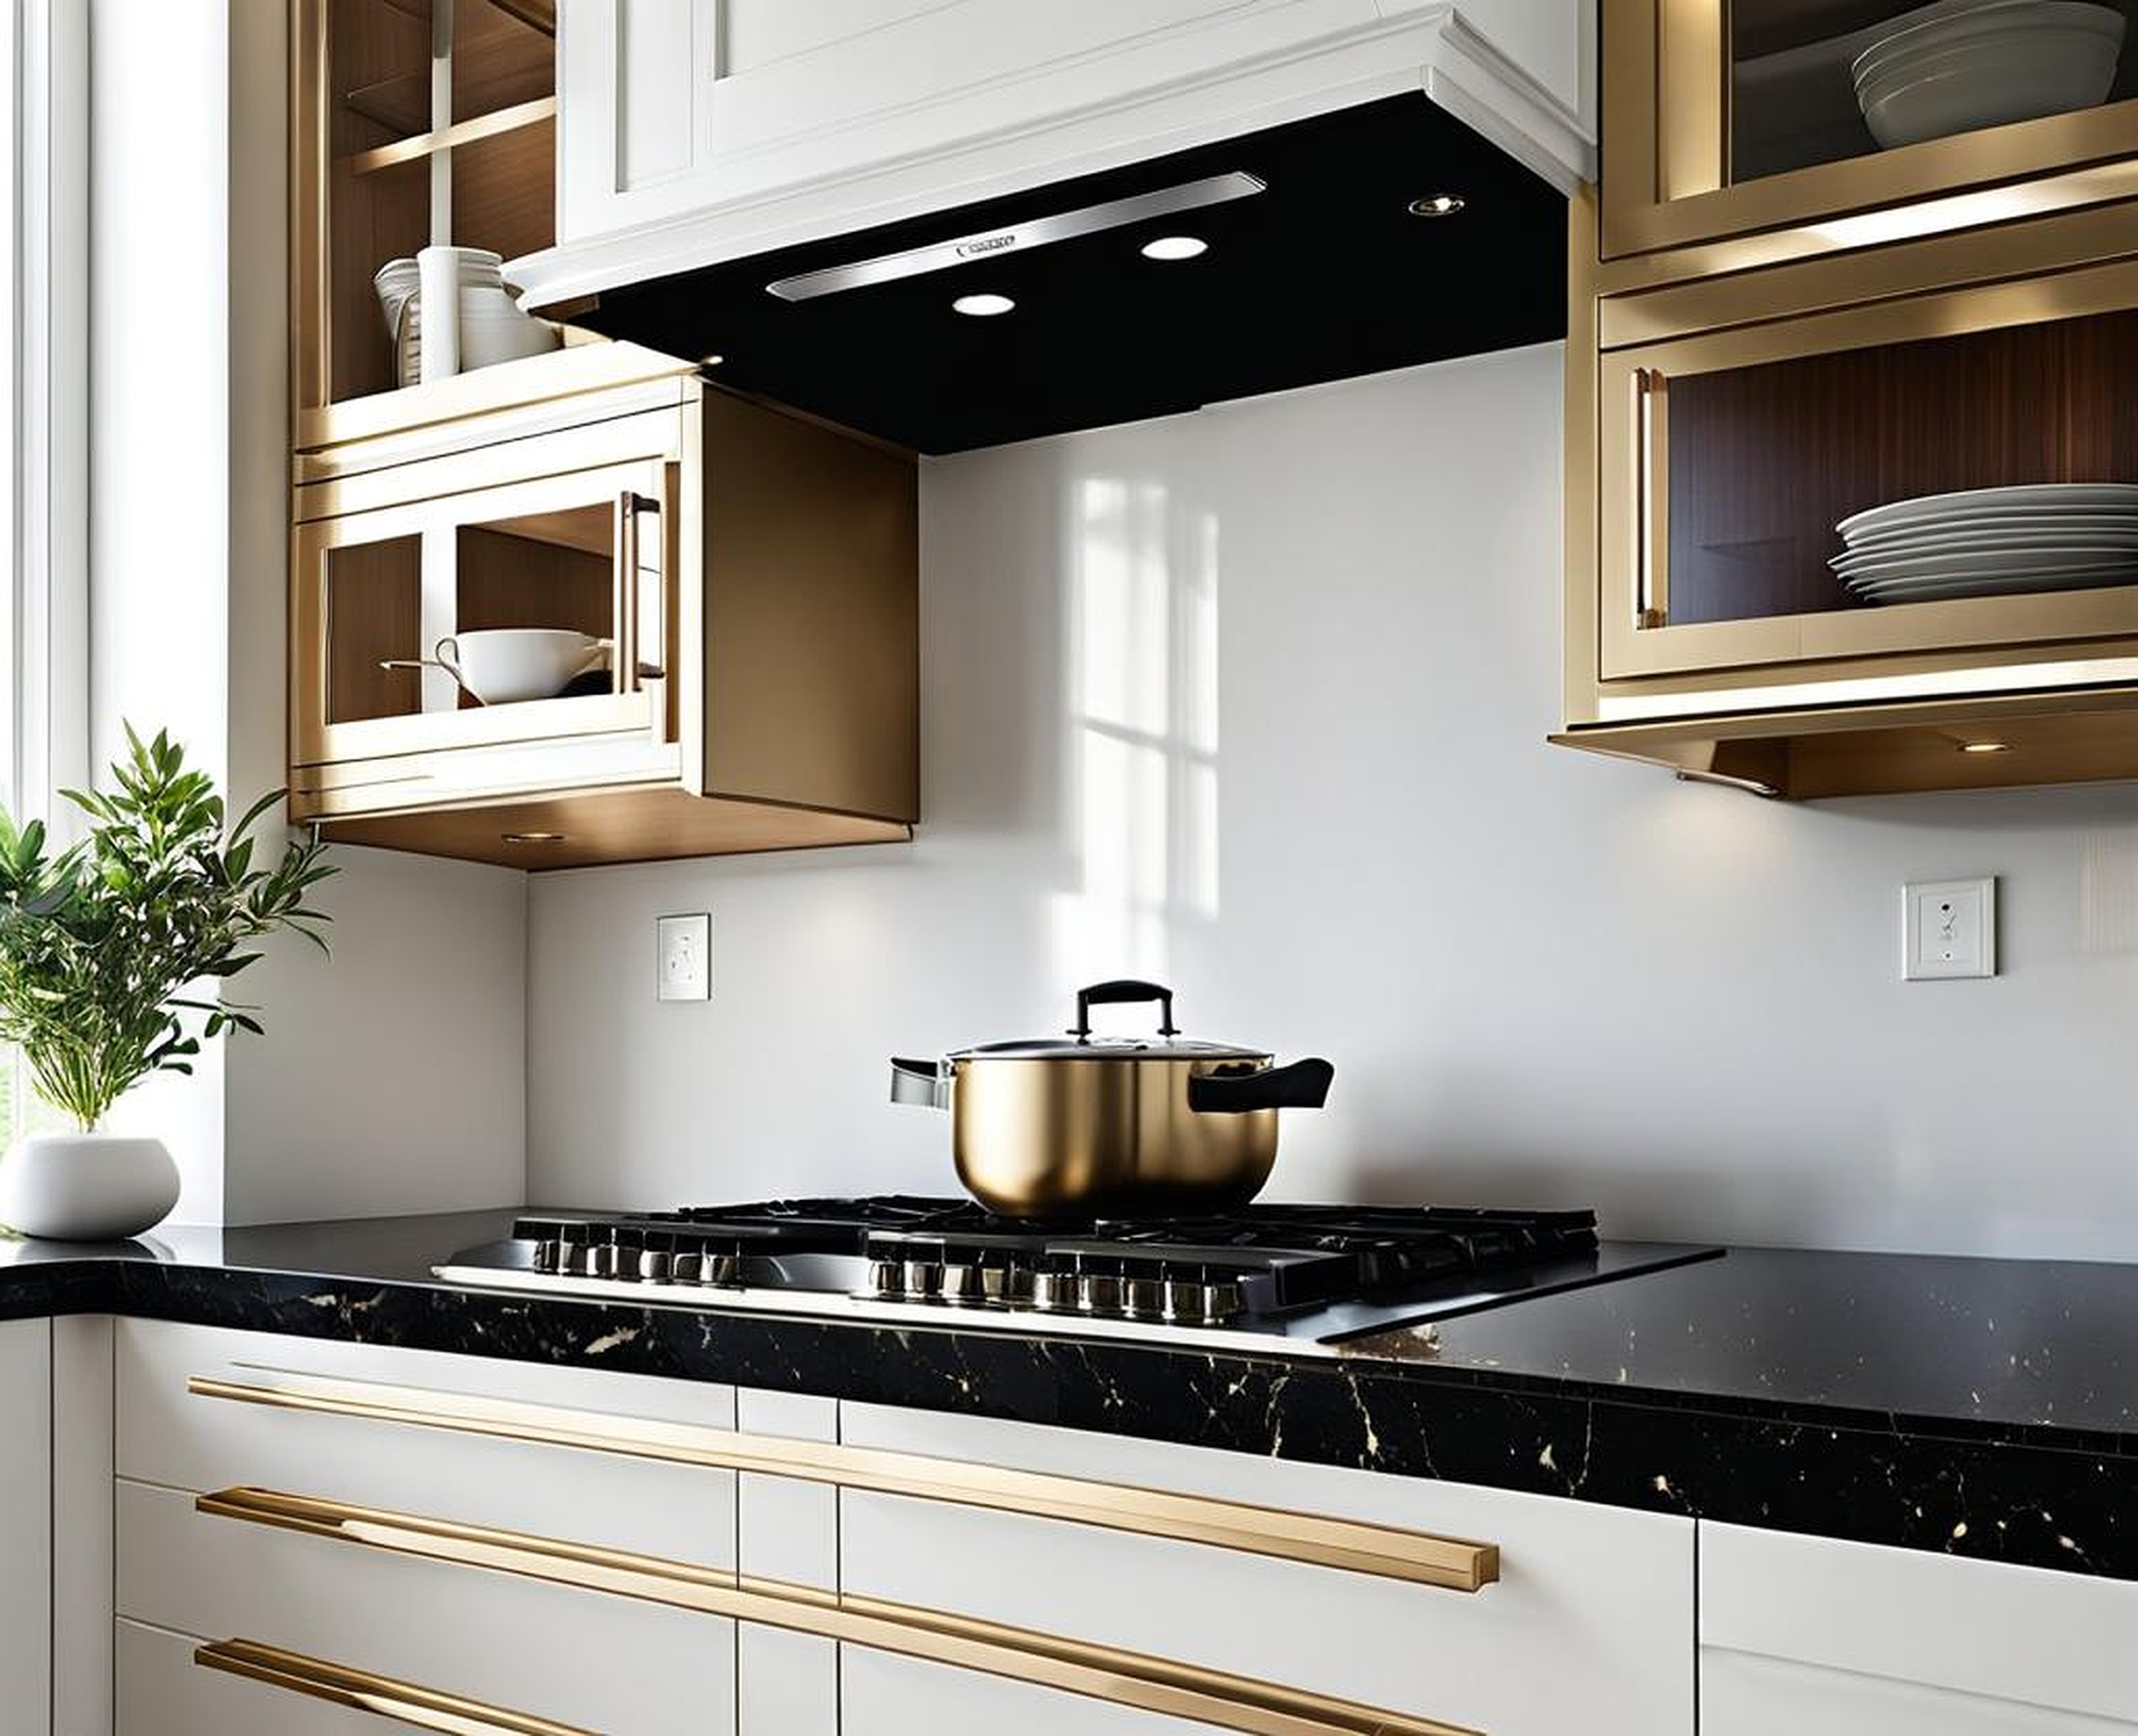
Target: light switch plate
[
  {"x": 1948, "y": 929},
  {"x": 684, "y": 958}
]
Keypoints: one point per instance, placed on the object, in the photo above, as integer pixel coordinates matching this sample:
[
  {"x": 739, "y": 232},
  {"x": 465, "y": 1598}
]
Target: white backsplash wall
[{"x": 1253, "y": 701}]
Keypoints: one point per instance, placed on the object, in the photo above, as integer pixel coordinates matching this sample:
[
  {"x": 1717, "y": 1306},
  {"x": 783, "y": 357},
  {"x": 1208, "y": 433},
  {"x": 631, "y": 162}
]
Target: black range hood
[{"x": 1331, "y": 251}]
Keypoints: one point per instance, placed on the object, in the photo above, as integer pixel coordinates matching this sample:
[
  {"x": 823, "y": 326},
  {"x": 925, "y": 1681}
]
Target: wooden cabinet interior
[
  {"x": 1764, "y": 461},
  {"x": 1791, "y": 101},
  {"x": 438, "y": 124}
]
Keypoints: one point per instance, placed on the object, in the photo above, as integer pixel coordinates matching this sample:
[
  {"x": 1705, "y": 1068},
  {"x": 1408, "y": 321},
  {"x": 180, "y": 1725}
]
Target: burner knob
[
  {"x": 1144, "y": 1299},
  {"x": 1182, "y": 1294},
  {"x": 888, "y": 1277},
  {"x": 1055, "y": 1289},
  {"x": 1222, "y": 1300},
  {"x": 656, "y": 1264},
  {"x": 923, "y": 1278},
  {"x": 549, "y": 1255},
  {"x": 962, "y": 1282},
  {"x": 686, "y": 1267},
  {"x": 574, "y": 1245},
  {"x": 720, "y": 1270},
  {"x": 1098, "y": 1292}
]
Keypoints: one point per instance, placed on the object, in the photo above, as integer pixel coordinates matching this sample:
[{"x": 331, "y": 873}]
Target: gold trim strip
[
  {"x": 1098, "y": 1672},
  {"x": 1451, "y": 1562},
  {"x": 461, "y": 133},
  {"x": 359, "y": 1690}
]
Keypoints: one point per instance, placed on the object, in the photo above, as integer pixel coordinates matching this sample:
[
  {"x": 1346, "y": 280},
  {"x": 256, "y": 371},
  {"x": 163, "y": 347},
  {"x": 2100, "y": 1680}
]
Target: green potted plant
[{"x": 108, "y": 951}]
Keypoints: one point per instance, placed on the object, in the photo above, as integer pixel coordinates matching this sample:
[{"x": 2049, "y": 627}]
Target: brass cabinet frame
[
  {"x": 1665, "y": 124},
  {"x": 1635, "y": 638},
  {"x": 637, "y": 469}
]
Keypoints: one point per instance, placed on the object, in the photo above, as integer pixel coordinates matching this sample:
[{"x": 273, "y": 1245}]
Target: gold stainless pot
[{"x": 1087, "y": 1126}]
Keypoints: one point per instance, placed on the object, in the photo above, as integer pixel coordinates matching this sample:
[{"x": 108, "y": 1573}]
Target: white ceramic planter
[{"x": 86, "y": 1187}]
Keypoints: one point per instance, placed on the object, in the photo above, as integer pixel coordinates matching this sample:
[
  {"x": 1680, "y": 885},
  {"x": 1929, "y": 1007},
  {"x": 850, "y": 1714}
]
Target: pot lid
[{"x": 1080, "y": 1044}]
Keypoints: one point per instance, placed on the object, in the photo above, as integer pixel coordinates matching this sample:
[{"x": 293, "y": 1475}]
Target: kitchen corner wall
[
  {"x": 392, "y": 1078},
  {"x": 1253, "y": 701}
]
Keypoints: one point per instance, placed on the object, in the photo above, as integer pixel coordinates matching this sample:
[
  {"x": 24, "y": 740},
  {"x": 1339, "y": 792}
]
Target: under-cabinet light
[
  {"x": 1176, "y": 247},
  {"x": 712, "y": 361},
  {"x": 532, "y": 837},
  {"x": 982, "y": 306},
  {"x": 1985, "y": 747},
  {"x": 1441, "y": 205}
]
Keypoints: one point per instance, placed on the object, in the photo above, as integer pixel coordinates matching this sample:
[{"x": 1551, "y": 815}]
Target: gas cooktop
[{"x": 1304, "y": 1278}]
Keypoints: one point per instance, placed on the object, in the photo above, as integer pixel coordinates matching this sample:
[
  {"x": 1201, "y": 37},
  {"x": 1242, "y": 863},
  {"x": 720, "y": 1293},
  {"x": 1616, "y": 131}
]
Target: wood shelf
[{"x": 461, "y": 133}]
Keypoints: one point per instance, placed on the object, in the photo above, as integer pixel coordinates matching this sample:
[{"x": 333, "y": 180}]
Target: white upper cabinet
[{"x": 692, "y": 131}]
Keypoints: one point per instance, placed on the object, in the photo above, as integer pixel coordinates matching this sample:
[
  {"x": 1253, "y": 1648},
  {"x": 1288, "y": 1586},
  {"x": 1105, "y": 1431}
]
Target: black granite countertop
[{"x": 1982, "y": 1408}]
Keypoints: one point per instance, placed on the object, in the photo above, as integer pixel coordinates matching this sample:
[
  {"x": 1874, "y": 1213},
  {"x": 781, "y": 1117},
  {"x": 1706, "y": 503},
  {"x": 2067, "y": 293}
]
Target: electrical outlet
[
  {"x": 1948, "y": 928},
  {"x": 684, "y": 958}
]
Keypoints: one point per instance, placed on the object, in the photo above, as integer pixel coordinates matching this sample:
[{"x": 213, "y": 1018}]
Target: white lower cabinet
[
  {"x": 26, "y": 1527},
  {"x": 883, "y": 1695},
  {"x": 161, "y": 1690},
  {"x": 1852, "y": 1640},
  {"x": 1588, "y": 1627},
  {"x": 787, "y": 1684}
]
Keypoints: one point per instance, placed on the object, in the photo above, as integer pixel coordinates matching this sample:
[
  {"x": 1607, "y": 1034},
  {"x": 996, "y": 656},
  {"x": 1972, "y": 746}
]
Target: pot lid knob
[{"x": 1123, "y": 991}]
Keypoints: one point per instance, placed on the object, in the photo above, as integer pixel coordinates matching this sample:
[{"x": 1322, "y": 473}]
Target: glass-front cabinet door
[
  {"x": 519, "y": 636},
  {"x": 1722, "y": 117},
  {"x": 1942, "y": 481}
]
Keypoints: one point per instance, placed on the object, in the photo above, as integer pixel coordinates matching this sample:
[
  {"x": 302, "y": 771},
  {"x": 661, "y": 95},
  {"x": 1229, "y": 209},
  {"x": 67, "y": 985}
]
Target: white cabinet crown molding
[{"x": 1237, "y": 70}]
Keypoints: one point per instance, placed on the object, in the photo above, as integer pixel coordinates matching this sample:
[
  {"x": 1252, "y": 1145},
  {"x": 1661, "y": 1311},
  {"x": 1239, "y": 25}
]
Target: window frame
[{"x": 48, "y": 300}]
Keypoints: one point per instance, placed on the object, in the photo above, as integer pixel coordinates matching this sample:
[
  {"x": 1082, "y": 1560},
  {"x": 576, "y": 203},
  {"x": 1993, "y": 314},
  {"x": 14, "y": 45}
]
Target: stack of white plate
[
  {"x": 1992, "y": 542},
  {"x": 1962, "y": 64}
]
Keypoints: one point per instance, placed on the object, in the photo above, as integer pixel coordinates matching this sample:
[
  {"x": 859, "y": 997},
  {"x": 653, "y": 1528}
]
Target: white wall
[
  {"x": 1254, "y": 701},
  {"x": 392, "y": 1078}
]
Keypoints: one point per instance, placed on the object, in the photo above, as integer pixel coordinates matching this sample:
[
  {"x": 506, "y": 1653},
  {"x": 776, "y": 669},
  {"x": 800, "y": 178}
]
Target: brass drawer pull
[
  {"x": 1418, "y": 1556},
  {"x": 963, "y": 1642},
  {"x": 359, "y": 1690}
]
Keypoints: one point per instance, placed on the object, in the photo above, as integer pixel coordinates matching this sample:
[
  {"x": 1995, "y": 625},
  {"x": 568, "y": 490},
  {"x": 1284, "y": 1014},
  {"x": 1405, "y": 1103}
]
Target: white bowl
[
  {"x": 2010, "y": 45},
  {"x": 502, "y": 666},
  {"x": 1933, "y": 28},
  {"x": 1992, "y": 79}
]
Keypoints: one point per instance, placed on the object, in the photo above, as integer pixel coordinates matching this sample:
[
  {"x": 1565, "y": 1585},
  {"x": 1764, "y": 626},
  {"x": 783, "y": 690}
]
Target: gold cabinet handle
[
  {"x": 963, "y": 1642},
  {"x": 1651, "y": 504},
  {"x": 359, "y": 1690},
  {"x": 1419, "y": 1558}
]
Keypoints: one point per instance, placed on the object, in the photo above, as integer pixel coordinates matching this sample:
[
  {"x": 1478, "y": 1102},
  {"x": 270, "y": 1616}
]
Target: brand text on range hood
[
  {"x": 1092, "y": 220},
  {"x": 1373, "y": 237}
]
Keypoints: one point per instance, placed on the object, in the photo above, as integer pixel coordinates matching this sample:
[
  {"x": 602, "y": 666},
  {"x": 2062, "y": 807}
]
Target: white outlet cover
[
  {"x": 1948, "y": 929},
  {"x": 682, "y": 958}
]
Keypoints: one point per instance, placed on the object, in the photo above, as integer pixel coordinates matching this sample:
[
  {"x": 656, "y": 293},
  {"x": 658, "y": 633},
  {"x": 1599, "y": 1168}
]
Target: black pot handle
[
  {"x": 1123, "y": 989},
  {"x": 1302, "y": 1085}
]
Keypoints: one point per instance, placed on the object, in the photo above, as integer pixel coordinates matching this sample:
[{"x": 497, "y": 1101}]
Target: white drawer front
[
  {"x": 162, "y": 1692},
  {"x": 168, "y": 1435},
  {"x": 610, "y": 1664},
  {"x": 1590, "y": 1626},
  {"x": 883, "y": 1695},
  {"x": 2060, "y": 1641},
  {"x": 1744, "y": 1695}
]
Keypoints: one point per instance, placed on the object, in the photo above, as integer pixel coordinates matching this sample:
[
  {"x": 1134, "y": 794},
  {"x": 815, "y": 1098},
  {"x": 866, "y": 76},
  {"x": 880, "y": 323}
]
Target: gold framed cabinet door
[{"x": 1677, "y": 120}]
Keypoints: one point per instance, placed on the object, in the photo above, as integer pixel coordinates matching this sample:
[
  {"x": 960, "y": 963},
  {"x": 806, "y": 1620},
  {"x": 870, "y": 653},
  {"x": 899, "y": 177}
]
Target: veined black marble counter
[{"x": 1981, "y": 1408}]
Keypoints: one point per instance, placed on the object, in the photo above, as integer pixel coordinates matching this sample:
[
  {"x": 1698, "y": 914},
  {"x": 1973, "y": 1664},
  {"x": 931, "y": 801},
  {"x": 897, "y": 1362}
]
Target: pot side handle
[
  {"x": 1302, "y": 1085},
  {"x": 920, "y": 1082}
]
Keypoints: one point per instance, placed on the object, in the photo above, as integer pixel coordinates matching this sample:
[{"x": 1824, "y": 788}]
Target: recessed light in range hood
[{"x": 1314, "y": 265}]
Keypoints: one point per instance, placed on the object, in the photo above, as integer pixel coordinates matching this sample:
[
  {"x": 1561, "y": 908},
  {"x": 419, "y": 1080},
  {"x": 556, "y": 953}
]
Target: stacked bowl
[
  {"x": 1992, "y": 542},
  {"x": 1963, "y": 64}
]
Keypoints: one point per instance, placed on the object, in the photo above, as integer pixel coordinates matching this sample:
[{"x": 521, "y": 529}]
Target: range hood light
[
  {"x": 532, "y": 837},
  {"x": 982, "y": 306},
  {"x": 1985, "y": 747},
  {"x": 1441, "y": 205},
  {"x": 1175, "y": 247}
]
